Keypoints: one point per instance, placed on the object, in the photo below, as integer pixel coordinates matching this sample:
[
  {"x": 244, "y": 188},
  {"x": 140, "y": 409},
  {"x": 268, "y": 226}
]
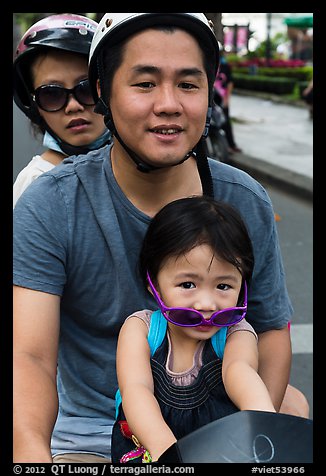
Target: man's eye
[
  {"x": 187, "y": 86},
  {"x": 145, "y": 84}
]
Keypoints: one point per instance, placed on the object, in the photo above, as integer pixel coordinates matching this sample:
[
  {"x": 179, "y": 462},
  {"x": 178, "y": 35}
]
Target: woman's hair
[
  {"x": 188, "y": 222},
  {"x": 111, "y": 59}
]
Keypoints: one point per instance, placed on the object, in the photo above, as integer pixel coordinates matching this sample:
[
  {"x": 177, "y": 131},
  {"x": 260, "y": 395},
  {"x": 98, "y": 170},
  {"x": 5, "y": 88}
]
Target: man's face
[{"x": 159, "y": 95}]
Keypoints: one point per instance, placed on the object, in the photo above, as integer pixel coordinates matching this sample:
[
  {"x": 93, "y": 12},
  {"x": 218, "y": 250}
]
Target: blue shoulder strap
[
  {"x": 218, "y": 341},
  {"x": 118, "y": 401},
  {"x": 156, "y": 333},
  {"x": 158, "y": 328}
]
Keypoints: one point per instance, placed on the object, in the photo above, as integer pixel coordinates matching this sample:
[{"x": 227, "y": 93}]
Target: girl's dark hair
[
  {"x": 185, "y": 223},
  {"x": 110, "y": 59}
]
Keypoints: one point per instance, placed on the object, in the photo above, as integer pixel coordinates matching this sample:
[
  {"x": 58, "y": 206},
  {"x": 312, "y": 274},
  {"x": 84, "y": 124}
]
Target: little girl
[{"x": 186, "y": 364}]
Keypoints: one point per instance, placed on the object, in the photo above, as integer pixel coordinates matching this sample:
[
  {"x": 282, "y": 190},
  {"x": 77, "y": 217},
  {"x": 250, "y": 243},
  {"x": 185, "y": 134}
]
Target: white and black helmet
[{"x": 115, "y": 27}]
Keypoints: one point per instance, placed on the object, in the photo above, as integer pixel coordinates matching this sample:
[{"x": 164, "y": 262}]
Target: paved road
[
  {"x": 276, "y": 139},
  {"x": 25, "y": 146}
]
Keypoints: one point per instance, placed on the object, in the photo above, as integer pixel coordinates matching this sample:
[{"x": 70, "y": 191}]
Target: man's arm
[
  {"x": 274, "y": 350},
  {"x": 36, "y": 335}
]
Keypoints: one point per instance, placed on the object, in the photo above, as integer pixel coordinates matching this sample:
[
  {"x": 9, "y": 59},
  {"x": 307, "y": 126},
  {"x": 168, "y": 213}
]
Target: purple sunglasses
[{"x": 185, "y": 317}]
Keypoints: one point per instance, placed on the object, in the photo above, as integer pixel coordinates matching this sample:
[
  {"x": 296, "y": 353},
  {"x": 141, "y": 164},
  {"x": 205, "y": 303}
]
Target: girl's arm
[
  {"x": 239, "y": 370},
  {"x": 137, "y": 389}
]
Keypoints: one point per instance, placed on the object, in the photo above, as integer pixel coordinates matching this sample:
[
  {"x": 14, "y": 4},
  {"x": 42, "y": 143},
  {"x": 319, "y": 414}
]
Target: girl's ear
[{"x": 156, "y": 287}]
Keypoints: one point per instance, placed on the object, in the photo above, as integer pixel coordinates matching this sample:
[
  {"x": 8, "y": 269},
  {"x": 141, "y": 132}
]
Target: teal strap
[
  {"x": 156, "y": 333},
  {"x": 218, "y": 341},
  {"x": 118, "y": 401}
]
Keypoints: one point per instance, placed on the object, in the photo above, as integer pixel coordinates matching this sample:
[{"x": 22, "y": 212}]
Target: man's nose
[{"x": 167, "y": 101}]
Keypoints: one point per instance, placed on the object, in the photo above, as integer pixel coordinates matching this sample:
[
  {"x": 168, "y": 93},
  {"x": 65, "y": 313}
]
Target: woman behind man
[{"x": 51, "y": 87}]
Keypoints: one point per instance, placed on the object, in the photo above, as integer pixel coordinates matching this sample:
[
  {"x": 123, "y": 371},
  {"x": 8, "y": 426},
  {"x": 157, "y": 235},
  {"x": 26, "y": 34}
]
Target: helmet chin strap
[
  {"x": 198, "y": 151},
  {"x": 141, "y": 165}
]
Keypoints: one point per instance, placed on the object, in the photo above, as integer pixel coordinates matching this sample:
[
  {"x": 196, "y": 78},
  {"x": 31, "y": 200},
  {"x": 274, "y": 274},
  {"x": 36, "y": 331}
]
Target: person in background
[
  {"x": 51, "y": 87},
  {"x": 308, "y": 97},
  {"x": 223, "y": 87},
  {"x": 204, "y": 365},
  {"x": 76, "y": 250}
]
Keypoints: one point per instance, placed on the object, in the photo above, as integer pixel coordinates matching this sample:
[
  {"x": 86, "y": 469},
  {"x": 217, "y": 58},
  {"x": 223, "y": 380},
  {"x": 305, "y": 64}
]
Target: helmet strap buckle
[{"x": 101, "y": 107}]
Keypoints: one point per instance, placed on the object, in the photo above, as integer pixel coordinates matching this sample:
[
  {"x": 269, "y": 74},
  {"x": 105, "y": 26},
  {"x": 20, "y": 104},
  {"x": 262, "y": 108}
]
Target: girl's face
[
  {"x": 201, "y": 281},
  {"x": 160, "y": 95},
  {"x": 76, "y": 124}
]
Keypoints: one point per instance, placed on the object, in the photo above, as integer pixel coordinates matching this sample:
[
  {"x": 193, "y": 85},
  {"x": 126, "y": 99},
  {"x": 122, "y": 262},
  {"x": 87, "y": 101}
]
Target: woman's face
[
  {"x": 76, "y": 124},
  {"x": 159, "y": 95}
]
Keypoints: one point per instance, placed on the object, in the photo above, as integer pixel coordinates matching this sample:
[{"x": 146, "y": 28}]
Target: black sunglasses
[{"x": 52, "y": 97}]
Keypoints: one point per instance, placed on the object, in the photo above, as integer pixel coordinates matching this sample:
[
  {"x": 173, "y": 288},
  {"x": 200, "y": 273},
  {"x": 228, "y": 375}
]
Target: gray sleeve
[
  {"x": 40, "y": 237},
  {"x": 269, "y": 305}
]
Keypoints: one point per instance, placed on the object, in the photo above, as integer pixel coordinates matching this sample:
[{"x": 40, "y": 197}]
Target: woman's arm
[
  {"x": 137, "y": 389},
  {"x": 239, "y": 370}
]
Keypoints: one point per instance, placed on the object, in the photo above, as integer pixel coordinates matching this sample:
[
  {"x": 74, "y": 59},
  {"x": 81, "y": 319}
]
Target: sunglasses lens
[
  {"x": 184, "y": 317},
  {"x": 229, "y": 317},
  {"x": 51, "y": 98},
  {"x": 83, "y": 93}
]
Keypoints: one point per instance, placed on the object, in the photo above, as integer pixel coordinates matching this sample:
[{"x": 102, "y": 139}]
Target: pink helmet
[{"x": 65, "y": 31}]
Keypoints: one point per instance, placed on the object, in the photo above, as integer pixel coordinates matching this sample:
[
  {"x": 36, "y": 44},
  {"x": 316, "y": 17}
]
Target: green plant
[
  {"x": 275, "y": 41},
  {"x": 264, "y": 83},
  {"x": 25, "y": 20}
]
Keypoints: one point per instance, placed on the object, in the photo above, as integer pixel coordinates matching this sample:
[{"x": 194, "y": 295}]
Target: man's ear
[
  {"x": 101, "y": 107},
  {"x": 98, "y": 88}
]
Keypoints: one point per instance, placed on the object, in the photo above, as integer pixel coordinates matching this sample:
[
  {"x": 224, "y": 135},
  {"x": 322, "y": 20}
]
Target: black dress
[{"x": 184, "y": 408}]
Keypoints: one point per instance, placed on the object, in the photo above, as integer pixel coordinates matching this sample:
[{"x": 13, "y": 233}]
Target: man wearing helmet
[
  {"x": 76, "y": 254},
  {"x": 51, "y": 87}
]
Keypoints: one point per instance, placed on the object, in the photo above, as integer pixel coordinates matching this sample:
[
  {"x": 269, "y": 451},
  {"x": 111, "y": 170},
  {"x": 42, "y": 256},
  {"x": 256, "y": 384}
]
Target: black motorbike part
[
  {"x": 217, "y": 146},
  {"x": 216, "y": 142},
  {"x": 246, "y": 437}
]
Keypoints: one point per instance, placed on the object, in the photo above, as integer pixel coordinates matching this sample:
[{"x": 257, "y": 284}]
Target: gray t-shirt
[{"x": 78, "y": 236}]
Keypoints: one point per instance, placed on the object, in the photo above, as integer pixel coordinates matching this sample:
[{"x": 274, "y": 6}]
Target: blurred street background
[{"x": 271, "y": 59}]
